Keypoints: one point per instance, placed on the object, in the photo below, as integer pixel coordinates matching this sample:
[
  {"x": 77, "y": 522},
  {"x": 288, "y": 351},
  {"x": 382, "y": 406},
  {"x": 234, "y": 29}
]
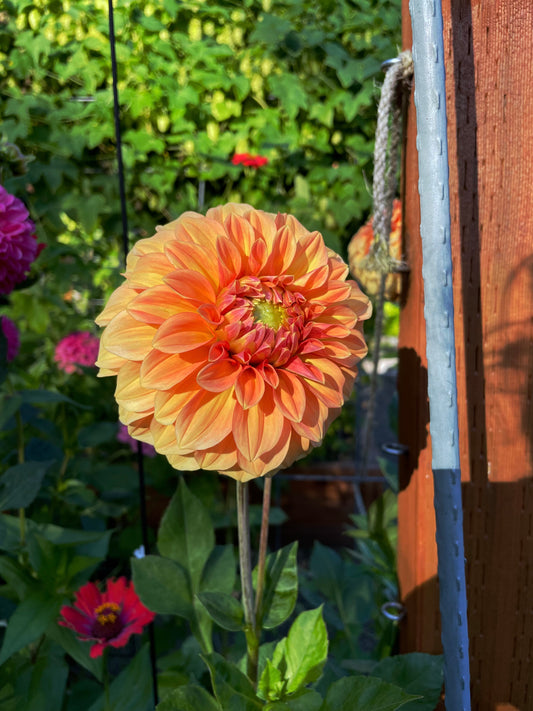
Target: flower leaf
[
  {"x": 356, "y": 693},
  {"x": 162, "y": 585},
  {"x": 21, "y": 483},
  {"x": 186, "y": 534},
  {"x": 28, "y": 622},
  {"x": 233, "y": 689},
  {"x": 281, "y": 586},
  {"x": 224, "y": 609},
  {"x": 188, "y": 698},
  {"x": 415, "y": 673},
  {"x": 219, "y": 571}
]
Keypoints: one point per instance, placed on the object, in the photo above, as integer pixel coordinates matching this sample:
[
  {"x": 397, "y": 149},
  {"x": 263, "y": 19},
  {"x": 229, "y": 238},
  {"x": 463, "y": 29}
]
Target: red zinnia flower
[
  {"x": 249, "y": 160},
  {"x": 107, "y": 618}
]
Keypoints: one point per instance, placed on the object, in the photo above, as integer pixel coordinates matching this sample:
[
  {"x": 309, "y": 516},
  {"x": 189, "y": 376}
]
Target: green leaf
[
  {"x": 308, "y": 701},
  {"x": 271, "y": 685},
  {"x": 290, "y": 93},
  {"x": 224, "y": 609},
  {"x": 356, "y": 693},
  {"x": 48, "y": 680},
  {"x": 188, "y": 698},
  {"x": 20, "y": 484},
  {"x": 415, "y": 673},
  {"x": 97, "y": 433},
  {"x": 15, "y": 576},
  {"x": 44, "y": 397},
  {"x": 79, "y": 651},
  {"x": 10, "y": 405},
  {"x": 132, "y": 689},
  {"x": 28, "y": 622},
  {"x": 233, "y": 689},
  {"x": 306, "y": 649},
  {"x": 219, "y": 572},
  {"x": 162, "y": 585},
  {"x": 281, "y": 586},
  {"x": 186, "y": 534}
]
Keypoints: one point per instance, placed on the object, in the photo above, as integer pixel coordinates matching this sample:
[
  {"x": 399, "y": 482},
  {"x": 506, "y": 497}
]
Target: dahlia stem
[
  {"x": 263, "y": 544},
  {"x": 245, "y": 560}
]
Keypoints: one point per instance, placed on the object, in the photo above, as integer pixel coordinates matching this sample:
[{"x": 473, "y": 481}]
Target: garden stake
[
  {"x": 125, "y": 245},
  {"x": 430, "y": 94}
]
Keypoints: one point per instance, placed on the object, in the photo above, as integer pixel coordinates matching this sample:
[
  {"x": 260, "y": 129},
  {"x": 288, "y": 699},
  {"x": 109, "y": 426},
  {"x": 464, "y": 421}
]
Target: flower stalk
[
  {"x": 245, "y": 561},
  {"x": 263, "y": 544}
]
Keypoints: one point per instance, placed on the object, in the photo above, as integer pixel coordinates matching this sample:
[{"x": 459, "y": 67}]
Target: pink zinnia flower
[
  {"x": 80, "y": 348},
  {"x": 12, "y": 336},
  {"x": 18, "y": 244},
  {"x": 249, "y": 160},
  {"x": 107, "y": 618},
  {"x": 125, "y": 437}
]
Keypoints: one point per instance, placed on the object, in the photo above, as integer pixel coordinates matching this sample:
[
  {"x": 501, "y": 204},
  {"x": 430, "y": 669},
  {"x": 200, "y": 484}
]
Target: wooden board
[{"x": 489, "y": 53}]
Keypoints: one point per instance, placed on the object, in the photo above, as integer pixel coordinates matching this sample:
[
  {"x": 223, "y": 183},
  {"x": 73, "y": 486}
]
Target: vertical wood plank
[{"x": 489, "y": 52}]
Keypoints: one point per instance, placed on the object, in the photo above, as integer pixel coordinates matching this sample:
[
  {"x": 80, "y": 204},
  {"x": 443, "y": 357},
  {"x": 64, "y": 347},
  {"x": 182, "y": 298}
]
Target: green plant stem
[
  {"x": 105, "y": 680},
  {"x": 245, "y": 560},
  {"x": 263, "y": 544}
]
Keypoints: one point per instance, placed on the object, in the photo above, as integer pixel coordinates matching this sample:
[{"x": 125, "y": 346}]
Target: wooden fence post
[{"x": 489, "y": 52}]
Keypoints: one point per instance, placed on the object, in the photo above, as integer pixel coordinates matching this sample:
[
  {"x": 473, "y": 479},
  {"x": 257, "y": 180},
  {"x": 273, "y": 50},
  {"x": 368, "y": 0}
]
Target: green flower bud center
[{"x": 273, "y": 315}]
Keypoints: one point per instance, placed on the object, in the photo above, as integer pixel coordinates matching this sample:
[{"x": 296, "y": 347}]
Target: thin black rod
[{"x": 125, "y": 245}]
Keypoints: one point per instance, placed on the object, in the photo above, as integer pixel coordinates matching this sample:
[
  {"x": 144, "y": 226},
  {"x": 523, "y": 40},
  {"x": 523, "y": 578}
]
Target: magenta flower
[
  {"x": 12, "y": 336},
  {"x": 107, "y": 618},
  {"x": 124, "y": 436},
  {"x": 18, "y": 242},
  {"x": 80, "y": 348},
  {"x": 249, "y": 160}
]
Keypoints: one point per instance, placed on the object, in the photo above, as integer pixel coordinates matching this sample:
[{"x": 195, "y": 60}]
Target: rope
[
  {"x": 125, "y": 245},
  {"x": 386, "y": 155}
]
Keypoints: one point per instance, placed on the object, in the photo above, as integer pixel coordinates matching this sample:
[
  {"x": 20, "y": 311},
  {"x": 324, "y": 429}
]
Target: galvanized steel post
[{"x": 430, "y": 95}]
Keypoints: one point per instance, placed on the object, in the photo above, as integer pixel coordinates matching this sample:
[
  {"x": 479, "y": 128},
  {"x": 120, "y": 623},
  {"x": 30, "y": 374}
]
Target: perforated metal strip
[{"x": 430, "y": 95}]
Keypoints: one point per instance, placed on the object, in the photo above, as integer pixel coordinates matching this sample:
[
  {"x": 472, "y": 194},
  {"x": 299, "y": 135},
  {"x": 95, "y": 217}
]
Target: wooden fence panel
[{"x": 489, "y": 55}]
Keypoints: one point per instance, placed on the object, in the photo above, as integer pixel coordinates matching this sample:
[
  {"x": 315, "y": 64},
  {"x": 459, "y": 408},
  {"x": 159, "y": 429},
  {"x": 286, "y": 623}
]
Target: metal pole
[{"x": 430, "y": 95}]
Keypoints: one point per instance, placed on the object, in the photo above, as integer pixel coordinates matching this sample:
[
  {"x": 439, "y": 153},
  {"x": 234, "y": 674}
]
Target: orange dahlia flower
[
  {"x": 234, "y": 340},
  {"x": 359, "y": 249}
]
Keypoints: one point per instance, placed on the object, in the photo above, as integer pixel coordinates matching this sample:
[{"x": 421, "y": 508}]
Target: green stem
[
  {"x": 263, "y": 545},
  {"x": 20, "y": 450},
  {"x": 245, "y": 560},
  {"x": 105, "y": 679}
]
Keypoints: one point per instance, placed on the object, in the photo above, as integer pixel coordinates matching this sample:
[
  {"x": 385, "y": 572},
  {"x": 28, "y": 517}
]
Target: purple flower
[
  {"x": 12, "y": 336},
  {"x": 80, "y": 348},
  {"x": 18, "y": 243}
]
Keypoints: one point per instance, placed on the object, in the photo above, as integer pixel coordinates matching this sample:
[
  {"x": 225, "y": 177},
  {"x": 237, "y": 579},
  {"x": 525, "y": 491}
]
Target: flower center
[
  {"x": 107, "y": 623},
  {"x": 272, "y": 315}
]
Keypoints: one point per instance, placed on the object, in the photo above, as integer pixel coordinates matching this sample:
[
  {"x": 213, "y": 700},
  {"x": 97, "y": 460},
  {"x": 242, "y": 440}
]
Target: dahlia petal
[
  {"x": 164, "y": 438},
  {"x": 193, "y": 286},
  {"x": 155, "y": 305},
  {"x": 249, "y": 388},
  {"x": 230, "y": 261},
  {"x": 117, "y": 302},
  {"x": 195, "y": 257},
  {"x": 264, "y": 226},
  {"x": 258, "y": 255},
  {"x": 167, "y": 404},
  {"x": 304, "y": 369},
  {"x": 183, "y": 332},
  {"x": 109, "y": 363},
  {"x": 161, "y": 371},
  {"x": 290, "y": 396},
  {"x": 219, "y": 376},
  {"x": 184, "y": 463},
  {"x": 257, "y": 430},
  {"x": 313, "y": 280},
  {"x": 269, "y": 461},
  {"x": 311, "y": 252},
  {"x": 129, "y": 392},
  {"x": 149, "y": 270},
  {"x": 311, "y": 425},
  {"x": 205, "y": 420},
  {"x": 223, "y": 456},
  {"x": 128, "y": 338},
  {"x": 199, "y": 229},
  {"x": 329, "y": 292},
  {"x": 221, "y": 212},
  {"x": 282, "y": 254}
]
